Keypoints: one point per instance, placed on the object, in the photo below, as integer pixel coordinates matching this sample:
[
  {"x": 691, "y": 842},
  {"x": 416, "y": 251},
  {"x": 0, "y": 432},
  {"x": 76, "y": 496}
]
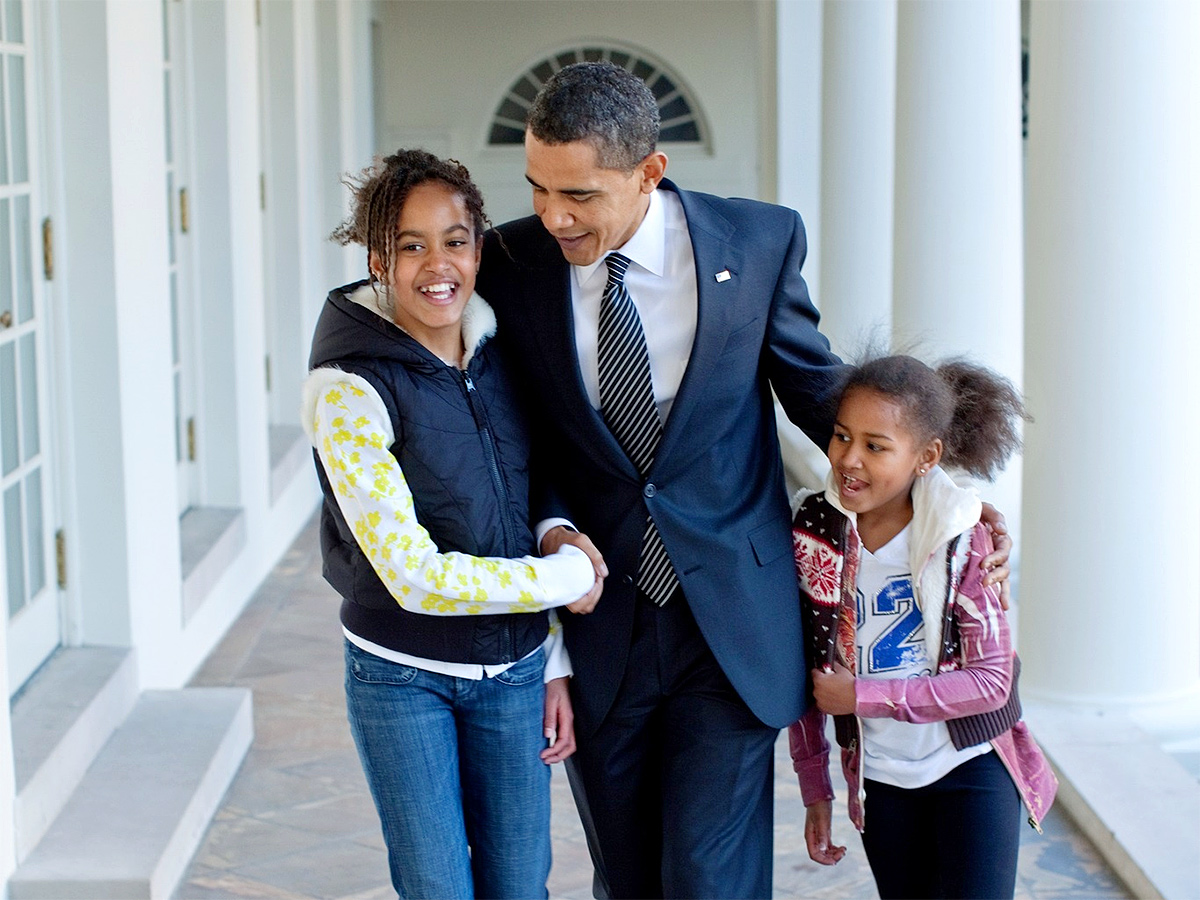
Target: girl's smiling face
[
  {"x": 433, "y": 268},
  {"x": 876, "y": 458}
]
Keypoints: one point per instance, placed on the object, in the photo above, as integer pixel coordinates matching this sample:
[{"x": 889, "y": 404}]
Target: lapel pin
[{"x": 723, "y": 275}]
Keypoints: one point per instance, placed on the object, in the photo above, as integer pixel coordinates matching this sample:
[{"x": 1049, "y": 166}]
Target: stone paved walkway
[{"x": 298, "y": 822}]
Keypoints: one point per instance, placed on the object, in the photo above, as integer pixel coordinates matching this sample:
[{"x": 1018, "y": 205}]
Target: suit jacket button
[{"x": 649, "y": 490}]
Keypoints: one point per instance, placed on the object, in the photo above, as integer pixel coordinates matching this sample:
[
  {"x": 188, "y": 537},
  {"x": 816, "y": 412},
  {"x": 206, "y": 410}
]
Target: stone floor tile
[
  {"x": 326, "y": 870},
  {"x": 217, "y": 885},
  {"x": 234, "y": 842},
  {"x": 298, "y": 823}
]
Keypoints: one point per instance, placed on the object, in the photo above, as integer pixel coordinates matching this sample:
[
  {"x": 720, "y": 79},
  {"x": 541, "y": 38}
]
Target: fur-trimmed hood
[
  {"x": 355, "y": 325},
  {"x": 478, "y": 319}
]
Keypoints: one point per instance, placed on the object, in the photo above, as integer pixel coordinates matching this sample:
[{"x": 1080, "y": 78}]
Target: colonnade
[{"x": 1069, "y": 263}]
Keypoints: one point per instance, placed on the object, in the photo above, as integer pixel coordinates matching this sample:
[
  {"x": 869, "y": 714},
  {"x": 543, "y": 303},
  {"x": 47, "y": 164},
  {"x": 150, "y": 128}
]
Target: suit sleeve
[{"x": 804, "y": 372}]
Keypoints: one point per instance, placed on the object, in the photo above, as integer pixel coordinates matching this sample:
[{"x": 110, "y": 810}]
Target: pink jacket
[{"x": 977, "y": 681}]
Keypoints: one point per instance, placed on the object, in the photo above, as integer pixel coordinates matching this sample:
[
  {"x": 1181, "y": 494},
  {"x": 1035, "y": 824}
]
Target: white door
[
  {"x": 28, "y": 506},
  {"x": 176, "y": 45}
]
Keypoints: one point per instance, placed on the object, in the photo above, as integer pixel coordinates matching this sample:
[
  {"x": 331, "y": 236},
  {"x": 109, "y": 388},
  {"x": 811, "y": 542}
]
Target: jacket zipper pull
[{"x": 469, "y": 383}]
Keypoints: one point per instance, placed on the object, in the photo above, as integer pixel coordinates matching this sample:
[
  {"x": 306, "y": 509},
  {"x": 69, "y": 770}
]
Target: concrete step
[
  {"x": 1135, "y": 802},
  {"x": 60, "y": 721},
  {"x": 133, "y": 823}
]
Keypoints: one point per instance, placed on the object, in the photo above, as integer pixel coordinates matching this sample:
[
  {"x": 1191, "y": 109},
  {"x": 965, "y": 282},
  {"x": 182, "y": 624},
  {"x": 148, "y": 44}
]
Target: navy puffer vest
[{"x": 462, "y": 445}]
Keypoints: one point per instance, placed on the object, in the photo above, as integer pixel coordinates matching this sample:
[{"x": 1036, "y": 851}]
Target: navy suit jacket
[{"x": 716, "y": 488}]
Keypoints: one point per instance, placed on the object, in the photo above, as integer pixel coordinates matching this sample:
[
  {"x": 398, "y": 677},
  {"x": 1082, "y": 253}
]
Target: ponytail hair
[{"x": 974, "y": 411}]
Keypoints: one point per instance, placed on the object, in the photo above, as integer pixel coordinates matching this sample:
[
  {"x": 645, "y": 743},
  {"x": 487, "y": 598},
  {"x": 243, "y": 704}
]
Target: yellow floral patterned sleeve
[{"x": 350, "y": 430}]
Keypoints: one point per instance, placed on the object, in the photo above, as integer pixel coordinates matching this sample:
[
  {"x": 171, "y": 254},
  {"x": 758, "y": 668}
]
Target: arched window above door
[{"x": 681, "y": 119}]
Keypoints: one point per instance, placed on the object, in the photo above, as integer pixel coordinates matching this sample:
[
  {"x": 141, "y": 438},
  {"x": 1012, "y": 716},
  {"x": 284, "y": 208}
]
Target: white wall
[{"x": 445, "y": 67}]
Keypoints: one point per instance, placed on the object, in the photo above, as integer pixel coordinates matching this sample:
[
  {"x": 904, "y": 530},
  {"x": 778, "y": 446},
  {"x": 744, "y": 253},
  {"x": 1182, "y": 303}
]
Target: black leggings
[{"x": 955, "y": 838}]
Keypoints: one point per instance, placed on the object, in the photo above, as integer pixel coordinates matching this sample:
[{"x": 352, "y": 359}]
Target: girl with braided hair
[
  {"x": 455, "y": 673},
  {"x": 911, "y": 653}
]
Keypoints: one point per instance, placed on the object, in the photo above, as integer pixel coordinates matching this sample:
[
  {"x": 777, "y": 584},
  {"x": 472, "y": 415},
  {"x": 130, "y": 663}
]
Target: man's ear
[{"x": 651, "y": 171}]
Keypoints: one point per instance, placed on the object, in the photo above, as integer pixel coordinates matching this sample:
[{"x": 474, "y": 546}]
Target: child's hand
[
  {"x": 834, "y": 690},
  {"x": 817, "y": 834}
]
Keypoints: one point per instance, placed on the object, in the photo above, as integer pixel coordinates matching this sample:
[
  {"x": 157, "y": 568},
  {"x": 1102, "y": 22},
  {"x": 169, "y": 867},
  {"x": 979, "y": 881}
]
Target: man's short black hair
[{"x": 601, "y": 103}]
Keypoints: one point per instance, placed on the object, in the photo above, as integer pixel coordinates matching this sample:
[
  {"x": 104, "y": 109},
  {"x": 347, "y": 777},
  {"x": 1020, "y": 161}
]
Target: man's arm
[{"x": 804, "y": 372}]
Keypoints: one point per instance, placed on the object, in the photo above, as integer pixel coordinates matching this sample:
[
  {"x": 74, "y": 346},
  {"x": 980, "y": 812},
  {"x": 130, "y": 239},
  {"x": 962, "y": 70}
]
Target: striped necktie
[{"x": 627, "y": 403}]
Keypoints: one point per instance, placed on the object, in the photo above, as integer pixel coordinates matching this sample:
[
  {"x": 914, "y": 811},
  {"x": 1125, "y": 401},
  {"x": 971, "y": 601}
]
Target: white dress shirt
[
  {"x": 662, "y": 284},
  {"x": 661, "y": 281}
]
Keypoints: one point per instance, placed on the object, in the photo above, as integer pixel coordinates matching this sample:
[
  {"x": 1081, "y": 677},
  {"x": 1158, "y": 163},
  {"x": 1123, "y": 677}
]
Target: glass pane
[
  {"x": 3, "y": 128},
  {"x": 16, "y": 117},
  {"x": 178, "y": 424},
  {"x": 685, "y": 132},
  {"x": 525, "y": 89},
  {"x": 167, "y": 113},
  {"x": 33, "y": 529},
  {"x": 23, "y": 256},
  {"x": 502, "y": 134},
  {"x": 174, "y": 319},
  {"x": 27, "y": 358},
  {"x": 14, "y": 550},
  {"x": 6, "y": 298},
  {"x": 661, "y": 86},
  {"x": 171, "y": 218},
  {"x": 14, "y": 16},
  {"x": 9, "y": 452},
  {"x": 512, "y": 111},
  {"x": 675, "y": 109}
]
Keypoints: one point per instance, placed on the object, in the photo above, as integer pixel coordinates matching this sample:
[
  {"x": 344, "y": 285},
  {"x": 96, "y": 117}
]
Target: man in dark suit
[{"x": 694, "y": 657}]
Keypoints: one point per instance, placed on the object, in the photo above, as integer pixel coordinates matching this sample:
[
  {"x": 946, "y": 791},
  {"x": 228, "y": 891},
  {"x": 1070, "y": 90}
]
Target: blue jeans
[{"x": 453, "y": 767}]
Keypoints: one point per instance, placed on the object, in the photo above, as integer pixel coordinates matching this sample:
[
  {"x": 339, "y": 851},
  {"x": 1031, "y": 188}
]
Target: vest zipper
[{"x": 489, "y": 453}]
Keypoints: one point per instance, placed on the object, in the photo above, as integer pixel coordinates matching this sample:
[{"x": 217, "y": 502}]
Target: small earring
[{"x": 923, "y": 470}]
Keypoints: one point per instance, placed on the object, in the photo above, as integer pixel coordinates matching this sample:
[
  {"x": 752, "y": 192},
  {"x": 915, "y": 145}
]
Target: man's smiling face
[{"x": 588, "y": 209}]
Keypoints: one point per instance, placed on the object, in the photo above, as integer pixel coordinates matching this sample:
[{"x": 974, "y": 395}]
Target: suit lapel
[
  {"x": 715, "y": 255},
  {"x": 553, "y": 326}
]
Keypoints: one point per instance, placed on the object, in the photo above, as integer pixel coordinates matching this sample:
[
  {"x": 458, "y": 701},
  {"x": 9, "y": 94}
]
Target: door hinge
[
  {"x": 191, "y": 439},
  {"x": 48, "y": 248},
  {"x": 267, "y": 364},
  {"x": 262, "y": 191},
  {"x": 258, "y": 12},
  {"x": 60, "y": 557},
  {"x": 185, "y": 218}
]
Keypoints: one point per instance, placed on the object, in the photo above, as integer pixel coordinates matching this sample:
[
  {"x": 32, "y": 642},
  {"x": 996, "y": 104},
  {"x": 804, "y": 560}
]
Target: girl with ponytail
[{"x": 910, "y": 651}]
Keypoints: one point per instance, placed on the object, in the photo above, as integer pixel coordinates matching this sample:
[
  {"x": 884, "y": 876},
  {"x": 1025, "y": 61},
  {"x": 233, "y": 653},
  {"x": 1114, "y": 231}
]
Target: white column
[
  {"x": 798, "y": 117},
  {"x": 144, "y": 402},
  {"x": 798, "y": 173},
  {"x": 1112, "y": 535},
  {"x": 858, "y": 118},
  {"x": 356, "y": 64},
  {"x": 958, "y": 179},
  {"x": 958, "y": 229}
]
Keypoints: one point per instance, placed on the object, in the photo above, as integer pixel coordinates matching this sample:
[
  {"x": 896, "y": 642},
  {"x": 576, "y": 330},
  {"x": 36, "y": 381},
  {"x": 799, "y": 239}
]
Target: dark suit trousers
[{"x": 675, "y": 787}]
